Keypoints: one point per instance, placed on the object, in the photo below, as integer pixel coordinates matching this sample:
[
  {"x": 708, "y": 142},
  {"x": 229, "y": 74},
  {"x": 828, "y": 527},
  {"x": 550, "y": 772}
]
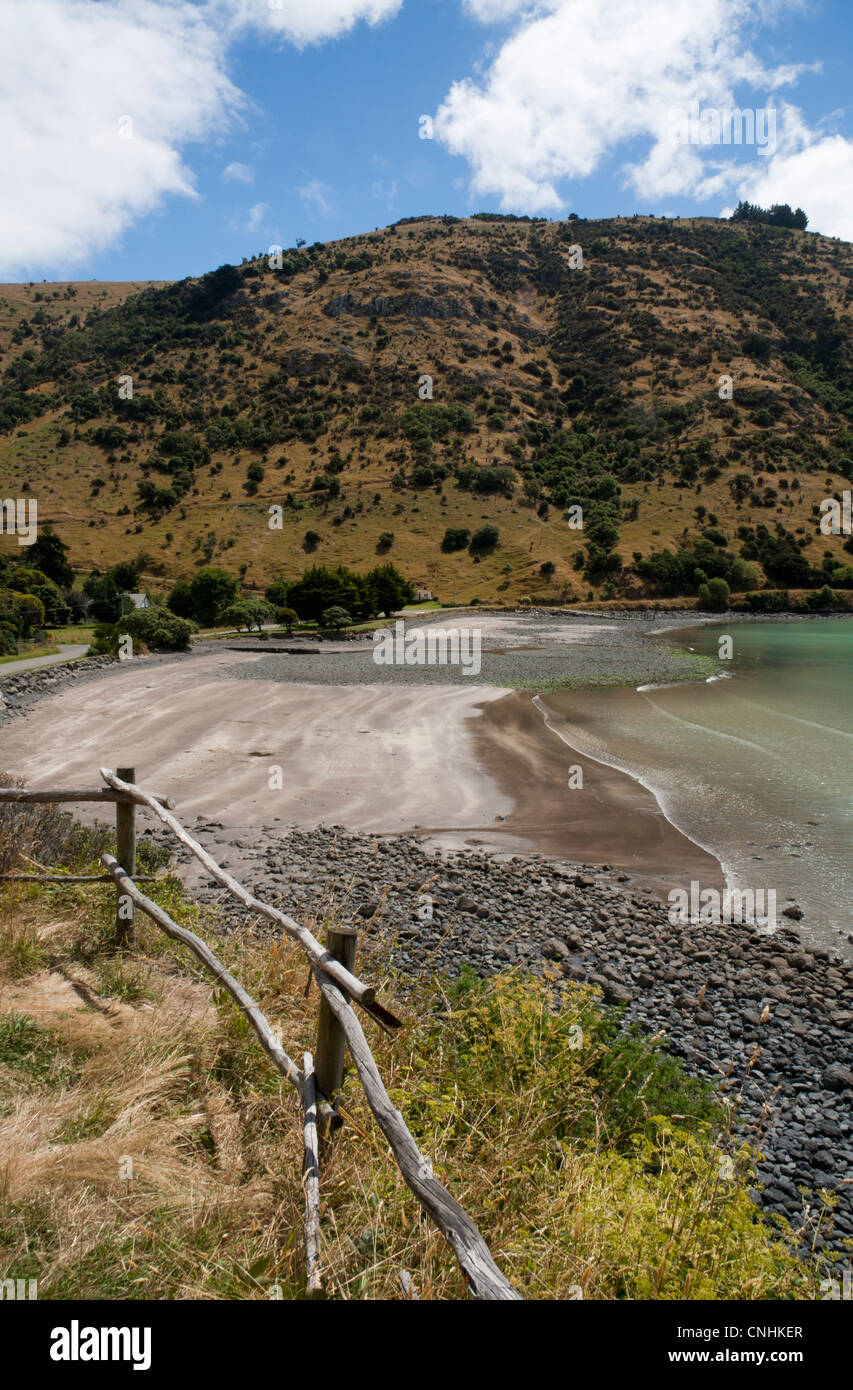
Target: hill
[{"x": 299, "y": 382}]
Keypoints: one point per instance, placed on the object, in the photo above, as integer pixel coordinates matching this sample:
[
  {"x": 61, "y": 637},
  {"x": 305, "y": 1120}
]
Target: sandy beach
[{"x": 460, "y": 765}]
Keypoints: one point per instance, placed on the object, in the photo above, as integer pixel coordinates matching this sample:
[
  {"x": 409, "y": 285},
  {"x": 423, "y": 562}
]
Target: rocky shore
[{"x": 759, "y": 1015}]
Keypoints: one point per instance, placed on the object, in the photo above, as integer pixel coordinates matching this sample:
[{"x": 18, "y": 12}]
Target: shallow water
[{"x": 757, "y": 768}]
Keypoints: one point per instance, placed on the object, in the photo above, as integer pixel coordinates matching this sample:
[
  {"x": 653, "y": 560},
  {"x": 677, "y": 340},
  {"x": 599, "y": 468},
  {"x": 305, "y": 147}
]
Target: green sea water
[{"x": 756, "y": 766}]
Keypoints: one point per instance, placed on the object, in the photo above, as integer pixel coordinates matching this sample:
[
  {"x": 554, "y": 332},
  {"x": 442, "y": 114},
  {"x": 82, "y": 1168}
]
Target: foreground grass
[
  {"x": 148, "y": 1150},
  {"x": 73, "y": 632}
]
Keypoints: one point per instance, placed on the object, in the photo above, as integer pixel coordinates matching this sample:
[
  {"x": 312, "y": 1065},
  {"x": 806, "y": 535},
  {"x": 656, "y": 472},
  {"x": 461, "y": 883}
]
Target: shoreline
[
  {"x": 469, "y": 765},
  {"x": 454, "y": 763},
  {"x": 613, "y": 763}
]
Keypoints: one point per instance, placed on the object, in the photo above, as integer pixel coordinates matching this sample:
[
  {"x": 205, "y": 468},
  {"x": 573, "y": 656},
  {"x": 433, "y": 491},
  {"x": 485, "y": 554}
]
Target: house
[
  {"x": 423, "y": 596},
  {"x": 138, "y": 600}
]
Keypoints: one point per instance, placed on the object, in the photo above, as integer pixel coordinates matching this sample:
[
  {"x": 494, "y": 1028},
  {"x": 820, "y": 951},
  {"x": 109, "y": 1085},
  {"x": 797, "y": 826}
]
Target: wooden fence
[{"x": 319, "y": 1078}]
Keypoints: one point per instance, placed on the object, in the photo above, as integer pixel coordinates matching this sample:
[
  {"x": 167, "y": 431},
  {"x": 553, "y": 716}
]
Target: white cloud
[
  {"x": 72, "y": 69},
  {"x": 573, "y": 82},
  {"x": 493, "y": 11},
  {"x": 303, "y": 23},
  {"x": 239, "y": 172},
  {"x": 256, "y": 216},
  {"x": 316, "y": 196},
  {"x": 817, "y": 178}
]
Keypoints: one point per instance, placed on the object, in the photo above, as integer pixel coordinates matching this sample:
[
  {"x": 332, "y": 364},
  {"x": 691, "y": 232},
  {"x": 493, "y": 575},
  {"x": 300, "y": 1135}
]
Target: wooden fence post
[
  {"x": 331, "y": 1042},
  {"x": 126, "y": 855}
]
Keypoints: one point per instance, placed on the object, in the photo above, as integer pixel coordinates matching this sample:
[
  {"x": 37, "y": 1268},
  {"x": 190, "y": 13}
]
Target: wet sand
[
  {"x": 458, "y": 765},
  {"x": 608, "y": 819}
]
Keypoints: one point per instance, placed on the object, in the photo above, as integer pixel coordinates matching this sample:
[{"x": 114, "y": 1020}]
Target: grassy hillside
[{"x": 552, "y": 386}]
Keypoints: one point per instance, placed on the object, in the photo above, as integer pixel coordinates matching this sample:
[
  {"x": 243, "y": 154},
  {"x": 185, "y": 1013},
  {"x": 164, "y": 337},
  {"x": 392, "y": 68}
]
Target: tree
[
  {"x": 20, "y": 613},
  {"x": 154, "y": 627},
  {"x": 235, "y": 615},
  {"x": 336, "y": 618},
  {"x": 211, "y": 588},
  {"x": 388, "y": 589},
  {"x": 318, "y": 589},
  {"x": 248, "y": 613},
  {"x": 50, "y": 555},
  {"x": 180, "y": 599},
  {"x": 288, "y": 618},
  {"x": 455, "y": 538},
  {"x": 714, "y": 596},
  {"x": 779, "y": 215},
  {"x": 32, "y": 581},
  {"x": 105, "y": 599},
  {"x": 126, "y": 574},
  {"x": 77, "y": 603},
  {"x": 485, "y": 539},
  {"x": 277, "y": 592}
]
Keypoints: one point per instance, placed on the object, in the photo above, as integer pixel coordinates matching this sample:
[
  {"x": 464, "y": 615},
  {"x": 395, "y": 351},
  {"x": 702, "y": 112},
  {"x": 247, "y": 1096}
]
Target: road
[{"x": 68, "y": 651}]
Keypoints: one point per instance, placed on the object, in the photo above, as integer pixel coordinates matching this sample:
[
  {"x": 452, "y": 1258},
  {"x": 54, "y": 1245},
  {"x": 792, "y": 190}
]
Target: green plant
[
  {"x": 287, "y": 617},
  {"x": 713, "y": 596},
  {"x": 336, "y": 618}
]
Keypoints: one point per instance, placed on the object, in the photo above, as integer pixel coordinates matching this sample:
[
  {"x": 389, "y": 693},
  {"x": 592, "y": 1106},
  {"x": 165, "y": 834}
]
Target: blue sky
[{"x": 248, "y": 123}]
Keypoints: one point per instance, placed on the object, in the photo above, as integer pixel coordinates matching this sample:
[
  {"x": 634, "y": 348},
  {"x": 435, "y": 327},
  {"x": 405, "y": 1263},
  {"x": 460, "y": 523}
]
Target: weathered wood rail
[{"x": 333, "y": 968}]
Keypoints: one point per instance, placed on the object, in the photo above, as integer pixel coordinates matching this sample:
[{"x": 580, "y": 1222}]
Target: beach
[{"x": 241, "y": 738}]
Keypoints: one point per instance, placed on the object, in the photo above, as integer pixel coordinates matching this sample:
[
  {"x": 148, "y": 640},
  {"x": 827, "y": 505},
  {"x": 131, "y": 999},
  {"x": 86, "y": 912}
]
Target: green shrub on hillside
[
  {"x": 713, "y": 596},
  {"x": 484, "y": 540},
  {"x": 455, "y": 538}
]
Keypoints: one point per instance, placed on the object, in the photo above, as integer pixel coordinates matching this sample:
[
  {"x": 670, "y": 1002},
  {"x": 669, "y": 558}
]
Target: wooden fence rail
[{"x": 333, "y": 970}]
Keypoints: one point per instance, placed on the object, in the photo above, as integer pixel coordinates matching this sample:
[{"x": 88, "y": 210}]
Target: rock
[
  {"x": 465, "y": 904},
  {"x": 613, "y": 991},
  {"x": 795, "y": 913},
  {"x": 837, "y": 1077},
  {"x": 555, "y": 950}
]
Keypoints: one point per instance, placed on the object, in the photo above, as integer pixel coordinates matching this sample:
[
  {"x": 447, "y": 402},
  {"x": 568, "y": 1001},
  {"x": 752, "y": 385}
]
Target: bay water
[{"x": 755, "y": 766}]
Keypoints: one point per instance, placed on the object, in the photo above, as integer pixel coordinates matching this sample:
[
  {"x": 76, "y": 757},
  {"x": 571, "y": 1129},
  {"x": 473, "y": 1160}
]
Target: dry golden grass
[{"x": 148, "y": 1150}]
